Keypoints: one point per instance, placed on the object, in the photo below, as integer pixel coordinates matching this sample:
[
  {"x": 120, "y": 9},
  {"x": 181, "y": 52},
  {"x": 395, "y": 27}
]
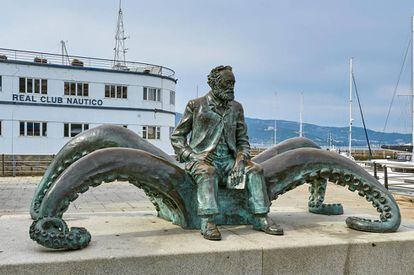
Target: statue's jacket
[{"x": 206, "y": 126}]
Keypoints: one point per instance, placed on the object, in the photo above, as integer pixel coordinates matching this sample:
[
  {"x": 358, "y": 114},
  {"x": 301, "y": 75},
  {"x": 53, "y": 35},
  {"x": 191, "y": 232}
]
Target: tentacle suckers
[
  {"x": 317, "y": 193},
  {"x": 164, "y": 183},
  {"x": 317, "y": 190},
  {"x": 105, "y": 136},
  {"x": 288, "y": 170},
  {"x": 52, "y": 232}
]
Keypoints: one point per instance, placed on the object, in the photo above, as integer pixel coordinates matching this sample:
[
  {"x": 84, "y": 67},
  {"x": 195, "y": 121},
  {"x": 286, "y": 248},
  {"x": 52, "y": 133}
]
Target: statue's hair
[{"x": 215, "y": 74}]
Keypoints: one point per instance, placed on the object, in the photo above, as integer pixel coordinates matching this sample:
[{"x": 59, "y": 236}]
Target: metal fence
[
  {"x": 82, "y": 61},
  {"x": 394, "y": 177}
]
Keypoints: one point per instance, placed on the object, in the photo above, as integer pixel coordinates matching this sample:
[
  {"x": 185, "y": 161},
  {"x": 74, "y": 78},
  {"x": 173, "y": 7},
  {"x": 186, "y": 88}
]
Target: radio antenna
[{"x": 120, "y": 37}]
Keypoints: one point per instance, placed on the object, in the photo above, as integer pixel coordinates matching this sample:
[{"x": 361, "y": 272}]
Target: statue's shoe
[
  {"x": 211, "y": 232},
  {"x": 265, "y": 224}
]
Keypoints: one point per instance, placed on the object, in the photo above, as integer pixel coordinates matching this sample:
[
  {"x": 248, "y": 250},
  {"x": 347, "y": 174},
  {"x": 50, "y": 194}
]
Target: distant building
[{"x": 45, "y": 99}]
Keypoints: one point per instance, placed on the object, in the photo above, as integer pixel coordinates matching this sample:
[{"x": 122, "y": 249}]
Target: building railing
[{"x": 82, "y": 61}]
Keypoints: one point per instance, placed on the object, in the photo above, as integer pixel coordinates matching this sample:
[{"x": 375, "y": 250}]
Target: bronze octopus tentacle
[
  {"x": 164, "y": 183},
  {"x": 284, "y": 146},
  {"x": 104, "y": 136},
  {"x": 296, "y": 167},
  {"x": 317, "y": 193}
]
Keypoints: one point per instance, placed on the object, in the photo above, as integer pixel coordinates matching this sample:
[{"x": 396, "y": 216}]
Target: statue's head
[{"x": 221, "y": 80}]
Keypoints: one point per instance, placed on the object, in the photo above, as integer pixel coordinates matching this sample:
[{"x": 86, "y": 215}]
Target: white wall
[{"x": 10, "y": 115}]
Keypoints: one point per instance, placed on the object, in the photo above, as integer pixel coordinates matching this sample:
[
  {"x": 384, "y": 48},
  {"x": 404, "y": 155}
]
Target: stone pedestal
[{"x": 140, "y": 243}]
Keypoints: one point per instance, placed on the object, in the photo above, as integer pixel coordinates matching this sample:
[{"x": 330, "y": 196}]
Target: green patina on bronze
[{"x": 108, "y": 153}]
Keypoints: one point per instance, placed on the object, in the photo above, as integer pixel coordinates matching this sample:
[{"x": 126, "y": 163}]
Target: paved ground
[
  {"x": 16, "y": 194},
  {"x": 127, "y": 238}
]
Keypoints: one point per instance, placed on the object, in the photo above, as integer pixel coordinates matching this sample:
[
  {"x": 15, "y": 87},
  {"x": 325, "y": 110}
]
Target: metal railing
[
  {"x": 82, "y": 61},
  {"x": 402, "y": 181}
]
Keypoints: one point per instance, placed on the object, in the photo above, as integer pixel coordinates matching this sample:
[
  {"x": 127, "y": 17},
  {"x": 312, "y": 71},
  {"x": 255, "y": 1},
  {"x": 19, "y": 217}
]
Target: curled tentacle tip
[
  {"x": 52, "y": 232},
  {"x": 378, "y": 226}
]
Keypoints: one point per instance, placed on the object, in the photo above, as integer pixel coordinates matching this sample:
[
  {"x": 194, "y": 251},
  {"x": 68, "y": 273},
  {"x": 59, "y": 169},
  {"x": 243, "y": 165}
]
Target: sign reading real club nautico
[{"x": 57, "y": 100}]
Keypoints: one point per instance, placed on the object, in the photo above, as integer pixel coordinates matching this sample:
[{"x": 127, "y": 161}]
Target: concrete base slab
[{"x": 140, "y": 243}]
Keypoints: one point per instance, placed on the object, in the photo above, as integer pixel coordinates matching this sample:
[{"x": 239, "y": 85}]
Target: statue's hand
[{"x": 236, "y": 175}]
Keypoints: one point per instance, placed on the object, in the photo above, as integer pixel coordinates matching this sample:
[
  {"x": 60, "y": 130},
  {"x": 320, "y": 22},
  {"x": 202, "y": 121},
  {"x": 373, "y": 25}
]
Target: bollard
[
  {"x": 386, "y": 177},
  {"x": 2, "y": 160},
  {"x": 375, "y": 170},
  {"x": 14, "y": 165}
]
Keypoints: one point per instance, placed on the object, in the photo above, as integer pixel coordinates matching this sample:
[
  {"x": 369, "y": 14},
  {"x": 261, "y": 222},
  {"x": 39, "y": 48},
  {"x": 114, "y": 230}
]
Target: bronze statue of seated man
[{"x": 218, "y": 154}]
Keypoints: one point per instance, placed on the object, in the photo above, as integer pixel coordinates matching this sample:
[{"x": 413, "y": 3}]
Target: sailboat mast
[
  {"x": 275, "y": 124},
  {"x": 301, "y": 116},
  {"x": 412, "y": 85},
  {"x": 350, "y": 107}
]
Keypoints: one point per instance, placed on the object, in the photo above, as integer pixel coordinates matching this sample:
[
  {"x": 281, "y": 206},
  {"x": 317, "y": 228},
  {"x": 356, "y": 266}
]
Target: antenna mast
[
  {"x": 64, "y": 52},
  {"x": 120, "y": 37}
]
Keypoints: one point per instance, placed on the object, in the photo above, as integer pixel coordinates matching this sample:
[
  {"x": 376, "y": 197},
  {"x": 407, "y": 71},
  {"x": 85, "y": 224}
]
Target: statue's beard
[{"x": 224, "y": 95}]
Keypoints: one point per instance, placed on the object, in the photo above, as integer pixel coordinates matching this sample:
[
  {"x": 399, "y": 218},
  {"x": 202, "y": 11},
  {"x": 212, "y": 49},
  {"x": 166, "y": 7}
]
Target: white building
[{"x": 45, "y": 99}]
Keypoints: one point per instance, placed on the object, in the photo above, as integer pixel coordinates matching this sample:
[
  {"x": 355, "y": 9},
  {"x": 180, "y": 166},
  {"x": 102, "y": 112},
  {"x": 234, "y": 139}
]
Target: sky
[{"x": 278, "y": 49}]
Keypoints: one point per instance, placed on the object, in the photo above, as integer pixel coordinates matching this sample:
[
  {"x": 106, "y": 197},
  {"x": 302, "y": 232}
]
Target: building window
[
  {"x": 22, "y": 85},
  {"x": 29, "y": 85},
  {"x": 44, "y": 86},
  {"x": 36, "y": 86},
  {"x": 172, "y": 97},
  {"x": 151, "y": 132},
  {"x": 152, "y": 94},
  {"x": 0, "y": 127},
  {"x": 32, "y": 85},
  {"x": 171, "y": 130},
  {"x": 72, "y": 129},
  {"x": 33, "y": 129},
  {"x": 76, "y": 89},
  {"x": 116, "y": 91},
  {"x": 1, "y": 84}
]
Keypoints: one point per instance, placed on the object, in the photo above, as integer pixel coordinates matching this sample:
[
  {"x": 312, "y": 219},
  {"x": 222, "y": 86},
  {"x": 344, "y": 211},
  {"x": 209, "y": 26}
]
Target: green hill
[{"x": 261, "y": 133}]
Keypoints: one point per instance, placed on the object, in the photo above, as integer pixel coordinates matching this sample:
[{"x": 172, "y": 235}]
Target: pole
[
  {"x": 12, "y": 143},
  {"x": 301, "y": 116},
  {"x": 362, "y": 117},
  {"x": 412, "y": 86},
  {"x": 275, "y": 124},
  {"x": 350, "y": 107},
  {"x": 3, "y": 166}
]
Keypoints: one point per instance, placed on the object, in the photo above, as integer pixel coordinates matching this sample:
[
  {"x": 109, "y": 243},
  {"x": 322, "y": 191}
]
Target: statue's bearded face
[{"x": 224, "y": 86}]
